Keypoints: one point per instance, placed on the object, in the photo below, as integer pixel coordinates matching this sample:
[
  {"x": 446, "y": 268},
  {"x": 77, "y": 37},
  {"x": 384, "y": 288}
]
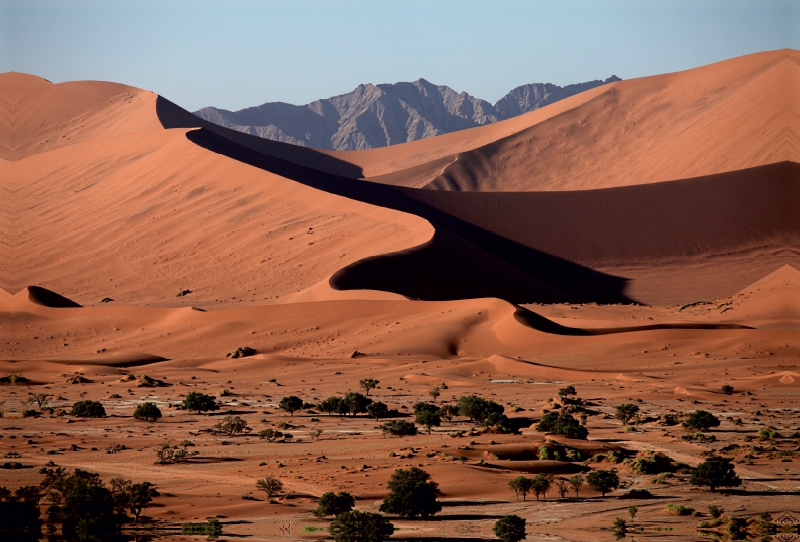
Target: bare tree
[
  {"x": 40, "y": 399},
  {"x": 563, "y": 487}
]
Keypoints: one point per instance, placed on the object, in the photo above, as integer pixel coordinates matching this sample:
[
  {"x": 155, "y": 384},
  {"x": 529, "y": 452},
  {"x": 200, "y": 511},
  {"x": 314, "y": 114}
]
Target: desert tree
[
  {"x": 412, "y": 494},
  {"x": 626, "y": 412},
  {"x": 368, "y": 384},
  {"x": 377, "y": 410},
  {"x": 270, "y": 435},
  {"x": 40, "y": 399},
  {"x": 567, "y": 391},
  {"x": 715, "y": 472},
  {"x": 603, "y": 481},
  {"x": 701, "y": 421},
  {"x": 231, "y": 426},
  {"x": 200, "y": 402},
  {"x": 576, "y": 482},
  {"x": 434, "y": 393},
  {"x": 137, "y": 498},
  {"x": 562, "y": 424},
  {"x": 428, "y": 419},
  {"x": 315, "y": 433},
  {"x": 355, "y": 403},
  {"x": 620, "y": 528},
  {"x": 520, "y": 485},
  {"x": 332, "y": 504},
  {"x": 147, "y": 411},
  {"x": 448, "y": 412},
  {"x": 118, "y": 484},
  {"x": 541, "y": 484},
  {"x": 331, "y": 405},
  {"x": 270, "y": 485},
  {"x": 477, "y": 408},
  {"x": 563, "y": 487},
  {"x": 291, "y": 404}
]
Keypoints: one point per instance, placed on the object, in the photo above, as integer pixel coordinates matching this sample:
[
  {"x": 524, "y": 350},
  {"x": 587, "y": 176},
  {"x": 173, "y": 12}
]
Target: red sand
[{"x": 99, "y": 200}]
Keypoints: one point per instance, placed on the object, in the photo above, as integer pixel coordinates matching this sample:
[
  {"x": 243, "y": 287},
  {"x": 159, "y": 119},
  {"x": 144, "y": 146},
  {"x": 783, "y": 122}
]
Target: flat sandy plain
[{"x": 557, "y": 248}]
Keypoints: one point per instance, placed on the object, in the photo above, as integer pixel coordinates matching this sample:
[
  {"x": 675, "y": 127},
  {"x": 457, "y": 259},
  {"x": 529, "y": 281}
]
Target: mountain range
[{"x": 381, "y": 115}]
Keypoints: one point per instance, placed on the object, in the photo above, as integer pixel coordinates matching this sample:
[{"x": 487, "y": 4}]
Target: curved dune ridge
[
  {"x": 104, "y": 202},
  {"x": 115, "y": 192}
]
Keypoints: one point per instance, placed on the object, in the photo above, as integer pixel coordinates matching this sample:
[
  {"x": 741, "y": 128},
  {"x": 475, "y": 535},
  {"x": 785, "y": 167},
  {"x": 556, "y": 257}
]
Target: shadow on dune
[
  {"x": 454, "y": 264},
  {"x": 47, "y": 298},
  {"x": 546, "y": 246}
]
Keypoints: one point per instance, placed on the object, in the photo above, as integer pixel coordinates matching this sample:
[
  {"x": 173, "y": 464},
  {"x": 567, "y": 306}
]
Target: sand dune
[
  {"x": 128, "y": 210},
  {"x": 731, "y": 115}
]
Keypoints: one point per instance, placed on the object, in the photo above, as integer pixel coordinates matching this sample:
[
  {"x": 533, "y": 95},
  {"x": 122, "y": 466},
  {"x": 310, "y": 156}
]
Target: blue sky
[{"x": 239, "y": 53}]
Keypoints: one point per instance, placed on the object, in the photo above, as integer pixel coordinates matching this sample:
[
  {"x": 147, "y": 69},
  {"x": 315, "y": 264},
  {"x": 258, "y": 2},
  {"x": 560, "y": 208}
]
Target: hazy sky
[{"x": 239, "y": 53}]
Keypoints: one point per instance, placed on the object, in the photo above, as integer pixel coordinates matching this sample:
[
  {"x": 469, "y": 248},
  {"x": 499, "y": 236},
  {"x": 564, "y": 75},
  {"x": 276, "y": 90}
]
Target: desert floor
[{"x": 304, "y": 349}]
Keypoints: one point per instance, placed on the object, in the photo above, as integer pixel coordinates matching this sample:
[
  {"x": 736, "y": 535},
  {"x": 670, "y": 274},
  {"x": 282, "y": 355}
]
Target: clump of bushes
[
  {"x": 562, "y": 424},
  {"x": 648, "y": 462},
  {"x": 679, "y": 510},
  {"x": 399, "y": 428},
  {"x": 88, "y": 409}
]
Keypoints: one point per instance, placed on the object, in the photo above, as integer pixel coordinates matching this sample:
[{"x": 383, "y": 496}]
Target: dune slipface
[{"x": 638, "y": 241}]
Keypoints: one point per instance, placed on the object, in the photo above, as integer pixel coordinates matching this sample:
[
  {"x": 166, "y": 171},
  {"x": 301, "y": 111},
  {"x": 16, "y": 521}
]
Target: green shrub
[
  {"x": 562, "y": 424},
  {"x": 679, "y": 510},
  {"x": 88, "y": 409},
  {"x": 701, "y": 421},
  {"x": 510, "y": 528}
]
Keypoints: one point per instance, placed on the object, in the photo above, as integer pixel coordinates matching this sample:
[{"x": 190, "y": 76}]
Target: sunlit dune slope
[
  {"x": 37, "y": 116},
  {"x": 731, "y": 115},
  {"x": 117, "y": 206}
]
